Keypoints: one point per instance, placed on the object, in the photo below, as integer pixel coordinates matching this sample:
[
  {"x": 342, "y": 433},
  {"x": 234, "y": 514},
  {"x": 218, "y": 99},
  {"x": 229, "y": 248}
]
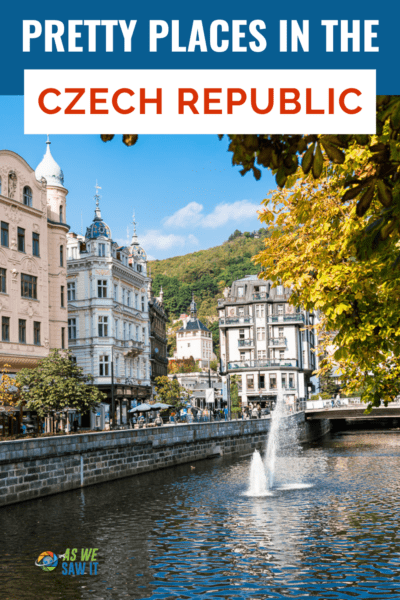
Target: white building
[
  {"x": 194, "y": 340},
  {"x": 108, "y": 319},
  {"x": 264, "y": 342}
]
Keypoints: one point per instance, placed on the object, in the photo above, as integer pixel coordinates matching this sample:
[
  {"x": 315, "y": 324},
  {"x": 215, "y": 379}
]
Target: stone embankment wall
[{"x": 39, "y": 467}]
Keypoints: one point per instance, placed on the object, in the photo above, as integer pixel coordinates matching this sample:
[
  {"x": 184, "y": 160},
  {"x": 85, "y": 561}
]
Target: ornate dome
[
  {"x": 135, "y": 248},
  {"x": 98, "y": 228},
  {"x": 49, "y": 169}
]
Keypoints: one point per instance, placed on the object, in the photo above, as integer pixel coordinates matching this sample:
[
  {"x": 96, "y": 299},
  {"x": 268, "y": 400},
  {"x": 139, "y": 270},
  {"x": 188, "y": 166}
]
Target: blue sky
[{"x": 185, "y": 193}]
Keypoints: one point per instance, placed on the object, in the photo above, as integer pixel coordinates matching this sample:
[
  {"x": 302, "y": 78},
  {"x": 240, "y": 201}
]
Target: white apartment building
[
  {"x": 194, "y": 339},
  {"x": 108, "y": 318},
  {"x": 266, "y": 342}
]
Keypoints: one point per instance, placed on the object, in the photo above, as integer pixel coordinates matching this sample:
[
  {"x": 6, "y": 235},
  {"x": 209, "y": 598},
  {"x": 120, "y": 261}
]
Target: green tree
[
  {"x": 235, "y": 401},
  {"x": 314, "y": 249},
  {"x": 57, "y": 383},
  {"x": 184, "y": 365},
  {"x": 171, "y": 392}
]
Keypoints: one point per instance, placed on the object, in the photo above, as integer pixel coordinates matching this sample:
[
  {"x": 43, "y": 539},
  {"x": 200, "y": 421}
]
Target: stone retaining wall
[{"x": 39, "y": 467}]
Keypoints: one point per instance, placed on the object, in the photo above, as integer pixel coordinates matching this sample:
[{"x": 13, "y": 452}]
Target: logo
[{"x": 47, "y": 561}]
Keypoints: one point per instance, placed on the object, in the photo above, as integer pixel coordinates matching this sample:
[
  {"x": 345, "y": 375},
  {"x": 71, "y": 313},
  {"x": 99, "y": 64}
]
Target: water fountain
[
  {"x": 275, "y": 432},
  {"x": 258, "y": 480}
]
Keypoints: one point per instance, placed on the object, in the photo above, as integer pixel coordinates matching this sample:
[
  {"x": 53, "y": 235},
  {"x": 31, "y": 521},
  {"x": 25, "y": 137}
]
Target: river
[{"x": 330, "y": 530}]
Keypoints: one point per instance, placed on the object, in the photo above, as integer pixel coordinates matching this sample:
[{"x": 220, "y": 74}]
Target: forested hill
[{"x": 206, "y": 273}]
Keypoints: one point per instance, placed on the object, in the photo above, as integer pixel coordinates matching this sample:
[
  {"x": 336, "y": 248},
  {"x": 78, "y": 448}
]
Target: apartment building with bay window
[
  {"x": 265, "y": 342},
  {"x": 108, "y": 312},
  {"x": 33, "y": 280}
]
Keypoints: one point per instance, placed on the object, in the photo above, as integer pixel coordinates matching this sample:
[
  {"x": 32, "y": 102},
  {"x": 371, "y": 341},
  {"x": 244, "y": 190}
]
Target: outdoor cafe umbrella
[
  {"x": 160, "y": 406},
  {"x": 142, "y": 408}
]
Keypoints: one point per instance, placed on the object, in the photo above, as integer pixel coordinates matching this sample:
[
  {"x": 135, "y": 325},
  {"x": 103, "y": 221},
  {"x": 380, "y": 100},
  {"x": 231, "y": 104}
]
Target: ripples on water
[{"x": 183, "y": 533}]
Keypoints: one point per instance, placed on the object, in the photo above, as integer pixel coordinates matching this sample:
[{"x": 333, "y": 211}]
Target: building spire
[
  {"x": 193, "y": 308},
  {"x": 97, "y": 212},
  {"x": 135, "y": 241}
]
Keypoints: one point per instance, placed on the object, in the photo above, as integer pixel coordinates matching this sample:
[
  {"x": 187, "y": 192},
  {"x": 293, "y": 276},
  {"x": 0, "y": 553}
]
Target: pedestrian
[
  {"x": 226, "y": 413},
  {"x": 158, "y": 420},
  {"x": 141, "y": 420},
  {"x": 254, "y": 413},
  {"x": 172, "y": 417},
  {"x": 259, "y": 410},
  {"x": 332, "y": 403}
]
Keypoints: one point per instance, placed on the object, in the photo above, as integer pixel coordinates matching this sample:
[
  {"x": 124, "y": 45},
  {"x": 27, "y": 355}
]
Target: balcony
[
  {"x": 235, "y": 321},
  {"x": 296, "y": 318},
  {"x": 279, "y": 341},
  {"x": 242, "y": 343},
  {"x": 132, "y": 348},
  {"x": 260, "y": 296},
  {"x": 267, "y": 363}
]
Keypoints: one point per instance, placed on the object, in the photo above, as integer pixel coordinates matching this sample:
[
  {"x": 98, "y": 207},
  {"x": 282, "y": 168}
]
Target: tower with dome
[
  {"x": 108, "y": 314},
  {"x": 33, "y": 283},
  {"x": 194, "y": 339}
]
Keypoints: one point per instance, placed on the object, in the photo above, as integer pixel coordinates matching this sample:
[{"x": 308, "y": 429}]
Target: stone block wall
[{"x": 39, "y": 467}]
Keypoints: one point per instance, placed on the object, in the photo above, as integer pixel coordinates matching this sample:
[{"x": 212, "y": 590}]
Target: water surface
[{"x": 185, "y": 533}]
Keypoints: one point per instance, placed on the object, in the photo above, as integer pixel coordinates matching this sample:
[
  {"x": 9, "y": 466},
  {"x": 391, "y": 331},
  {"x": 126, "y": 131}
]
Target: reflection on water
[{"x": 183, "y": 533}]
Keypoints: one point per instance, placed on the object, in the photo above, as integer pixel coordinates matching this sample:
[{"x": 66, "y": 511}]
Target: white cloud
[
  {"x": 192, "y": 214},
  {"x": 185, "y": 216},
  {"x": 156, "y": 240},
  {"x": 234, "y": 212}
]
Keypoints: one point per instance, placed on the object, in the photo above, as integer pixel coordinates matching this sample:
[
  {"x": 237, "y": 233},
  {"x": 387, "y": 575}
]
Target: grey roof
[
  {"x": 193, "y": 324},
  {"x": 247, "y": 277}
]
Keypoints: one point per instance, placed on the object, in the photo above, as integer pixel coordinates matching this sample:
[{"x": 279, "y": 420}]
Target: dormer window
[
  {"x": 27, "y": 196},
  {"x": 279, "y": 290}
]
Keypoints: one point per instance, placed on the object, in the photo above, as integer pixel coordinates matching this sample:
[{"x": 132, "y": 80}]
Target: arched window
[
  {"x": 27, "y": 196},
  {"x": 61, "y": 214}
]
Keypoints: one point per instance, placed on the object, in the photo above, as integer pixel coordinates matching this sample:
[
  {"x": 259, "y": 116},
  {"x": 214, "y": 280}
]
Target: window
[
  {"x": 261, "y": 382},
  {"x": 35, "y": 244},
  {"x": 21, "y": 239},
  {"x": 304, "y": 357},
  {"x": 242, "y": 355},
  {"x": 22, "y": 331},
  {"x": 272, "y": 381},
  {"x": 124, "y": 330},
  {"x": 102, "y": 249},
  {"x": 72, "y": 329},
  {"x": 60, "y": 214},
  {"x": 260, "y": 310},
  {"x": 62, "y": 296},
  {"x": 102, "y": 288},
  {"x": 128, "y": 298},
  {"x": 240, "y": 292},
  {"x": 279, "y": 290},
  {"x": 123, "y": 295},
  {"x": 240, "y": 311},
  {"x": 261, "y": 354},
  {"x": 143, "y": 309},
  {"x": 116, "y": 293},
  {"x": 281, "y": 354},
  {"x": 137, "y": 301},
  {"x": 28, "y": 286},
  {"x": 260, "y": 333},
  {"x": 144, "y": 335},
  {"x": 189, "y": 345},
  {"x": 280, "y": 309},
  {"x": 5, "y": 329},
  {"x": 103, "y": 366},
  {"x": 241, "y": 334},
  {"x": 137, "y": 333},
  {"x": 63, "y": 337},
  {"x": 283, "y": 380},
  {"x": 103, "y": 326},
  {"x": 280, "y": 332},
  {"x": 4, "y": 234},
  {"x": 291, "y": 381},
  {"x": 36, "y": 333},
  {"x": 27, "y": 193},
  {"x": 61, "y": 256},
  {"x": 250, "y": 382},
  {"x": 71, "y": 291},
  {"x": 3, "y": 281}
]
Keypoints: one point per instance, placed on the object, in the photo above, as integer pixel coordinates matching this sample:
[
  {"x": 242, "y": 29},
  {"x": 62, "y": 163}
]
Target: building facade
[
  {"x": 266, "y": 342},
  {"x": 33, "y": 282},
  {"x": 158, "y": 337},
  {"x": 108, "y": 313},
  {"x": 194, "y": 339}
]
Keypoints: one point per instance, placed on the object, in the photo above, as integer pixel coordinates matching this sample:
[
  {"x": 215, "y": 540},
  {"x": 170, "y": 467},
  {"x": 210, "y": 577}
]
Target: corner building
[
  {"x": 33, "y": 282},
  {"x": 266, "y": 342},
  {"x": 108, "y": 318}
]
